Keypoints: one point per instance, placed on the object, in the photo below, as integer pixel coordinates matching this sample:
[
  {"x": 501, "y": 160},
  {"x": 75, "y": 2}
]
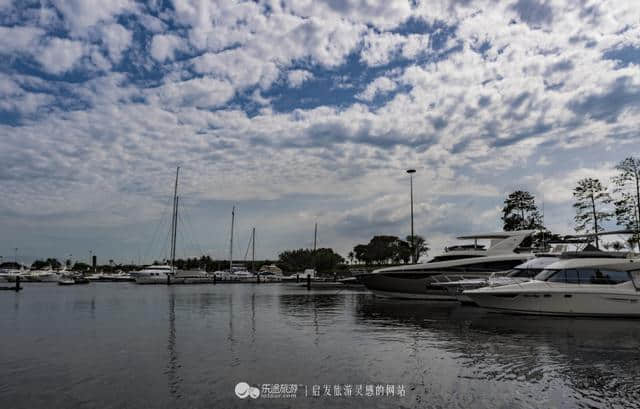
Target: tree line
[
  {"x": 389, "y": 250},
  {"x": 594, "y": 204}
]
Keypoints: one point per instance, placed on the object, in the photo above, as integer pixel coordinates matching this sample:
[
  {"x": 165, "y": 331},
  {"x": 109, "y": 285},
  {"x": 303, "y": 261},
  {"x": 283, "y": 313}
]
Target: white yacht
[
  {"x": 457, "y": 263},
  {"x": 519, "y": 274},
  {"x": 44, "y": 276},
  {"x": 587, "y": 283},
  {"x": 154, "y": 274}
]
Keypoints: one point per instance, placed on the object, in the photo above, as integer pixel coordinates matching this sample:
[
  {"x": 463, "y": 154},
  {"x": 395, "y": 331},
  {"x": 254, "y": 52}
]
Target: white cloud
[
  {"x": 164, "y": 46},
  {"x": 117, "y": 40},
  {"x": 60, "y": 55},
  {"x": 297, "y": 77},
  {"x": 379, "y": 86}
]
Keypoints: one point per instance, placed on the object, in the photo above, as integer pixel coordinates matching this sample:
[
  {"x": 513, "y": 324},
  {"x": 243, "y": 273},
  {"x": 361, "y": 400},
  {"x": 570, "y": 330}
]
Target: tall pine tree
[
  {"x": 591, "y": 196},
  {"x": 627, "y": 203},
  {"x": 520, "y": 212}
]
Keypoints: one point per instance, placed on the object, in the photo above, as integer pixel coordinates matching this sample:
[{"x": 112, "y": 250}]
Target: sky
[{"x": 302, "y": 112}]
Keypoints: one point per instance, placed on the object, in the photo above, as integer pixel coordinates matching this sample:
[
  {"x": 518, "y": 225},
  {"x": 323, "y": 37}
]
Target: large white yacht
[
  {"x": 586, "y": 283},
  {"x": 519, "y": 274},
  {"x": 457, "y": 263},
  {"x": 154, "y": 274}
]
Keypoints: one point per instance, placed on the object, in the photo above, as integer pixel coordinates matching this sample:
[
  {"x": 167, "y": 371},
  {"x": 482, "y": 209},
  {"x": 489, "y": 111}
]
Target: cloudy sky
[{"x": 300, "y": 112}]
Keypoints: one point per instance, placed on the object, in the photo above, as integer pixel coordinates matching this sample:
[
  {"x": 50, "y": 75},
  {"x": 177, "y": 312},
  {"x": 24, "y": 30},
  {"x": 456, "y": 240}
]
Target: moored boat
[
  {"x": 417, "y": 281},
  {"x": 581, "y": 284}
]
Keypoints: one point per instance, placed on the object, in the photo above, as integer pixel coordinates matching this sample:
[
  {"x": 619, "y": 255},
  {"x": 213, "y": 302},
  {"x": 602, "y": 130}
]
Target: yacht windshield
[
  {"x": 524, "y": 272},
  {"x": 545, "y": 274}
]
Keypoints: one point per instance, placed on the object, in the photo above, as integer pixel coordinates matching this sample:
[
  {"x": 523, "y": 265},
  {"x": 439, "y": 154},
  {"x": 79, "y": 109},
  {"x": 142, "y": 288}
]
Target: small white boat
[
  {"x": 595, "y": 284},
  {"x": 66, "y": 280}
]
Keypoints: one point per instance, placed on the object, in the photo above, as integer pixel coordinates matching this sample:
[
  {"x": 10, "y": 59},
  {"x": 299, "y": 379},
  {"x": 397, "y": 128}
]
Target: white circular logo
[{"x": 242, "y": 390}]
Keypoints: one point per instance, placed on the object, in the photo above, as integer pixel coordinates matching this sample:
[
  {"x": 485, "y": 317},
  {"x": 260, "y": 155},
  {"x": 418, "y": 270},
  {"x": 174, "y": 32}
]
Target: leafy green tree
[
  {"x": 419, "y": 244},
  {"x": 324, "y": 260},
  {"x": 520, "y": 212},
  {"x": 382, "y": 248},
  {"x": 627, "y": 204},
  {"x": 361, "y": 252},
  {"x": 590, "y": 196}
]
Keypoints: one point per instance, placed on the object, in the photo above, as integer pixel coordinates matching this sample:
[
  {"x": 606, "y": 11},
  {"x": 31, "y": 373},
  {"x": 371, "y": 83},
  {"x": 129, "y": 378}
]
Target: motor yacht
[
  {"x": 585, "y": 283},
  {"x": 154, "y": 274},
  {"x": 519, "y": 274},
  {"x": 457, "y": 263}
]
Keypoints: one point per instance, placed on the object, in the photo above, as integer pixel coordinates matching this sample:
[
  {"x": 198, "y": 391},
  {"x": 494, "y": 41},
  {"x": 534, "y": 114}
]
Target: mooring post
[
  {"x": 214, "y": 279},
  {"x": 258, "y": 277},
  {"x": 168, "y": 279},
  {"x": 335, "y": 277},
  {"x": 297, "y": 278},
  {"x": 17, "y": 283},
  {"x": 308, "y": 281}
]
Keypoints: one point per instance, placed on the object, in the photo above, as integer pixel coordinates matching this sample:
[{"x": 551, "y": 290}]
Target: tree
[
  {"x": 627, "y": 205},
  {"x": 382, "y": 248},
  {"x": 590, "y": 194},
  {"x": 351, "y": 257},
  {"x": 361, "y": 252},
  {"x": 419, "y": 245},
  {"x": 401, "y": 252},
  {"x": 520, "y": 212},
  {"x": 324, "y": 260}
]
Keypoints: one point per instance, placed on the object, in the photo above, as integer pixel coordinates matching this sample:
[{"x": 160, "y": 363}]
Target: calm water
[{"x": 127, "y": 346}]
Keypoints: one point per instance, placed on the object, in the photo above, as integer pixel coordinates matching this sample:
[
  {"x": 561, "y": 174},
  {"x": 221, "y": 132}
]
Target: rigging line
[
  {"x": 248, "y": 245},
  {"x": 183, "y": 237},
  {"x": 158, "y": 226},
  {"x": 189, "y": 225}
]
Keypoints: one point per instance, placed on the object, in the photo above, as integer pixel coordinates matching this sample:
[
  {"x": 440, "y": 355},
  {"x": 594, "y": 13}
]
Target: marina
[
  {"x": 319, "y": 204},
  {"x": 188, "y": 346}
]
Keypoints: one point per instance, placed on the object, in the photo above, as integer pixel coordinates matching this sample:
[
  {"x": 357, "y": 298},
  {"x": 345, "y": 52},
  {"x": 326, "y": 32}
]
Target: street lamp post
[{"x": 413, "y": 247}]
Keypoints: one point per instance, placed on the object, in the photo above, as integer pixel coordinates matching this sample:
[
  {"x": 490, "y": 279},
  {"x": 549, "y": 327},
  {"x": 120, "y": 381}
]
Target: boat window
[
  {"x": 558, "y": 277},
  {"x": 496, "y": 265},
  {"x": 584, "y": 276},
  {"x": 545, "y": 274},
  {"x": 615, "y": 276},
  {"x": 452, "y": 257},
  {"x": 572, "y": 276}
]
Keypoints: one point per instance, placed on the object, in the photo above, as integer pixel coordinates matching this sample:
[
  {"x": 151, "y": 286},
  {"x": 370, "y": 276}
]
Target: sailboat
[
  {"x": 168, "y": 273},
  {"x": 237, "y": 273}
]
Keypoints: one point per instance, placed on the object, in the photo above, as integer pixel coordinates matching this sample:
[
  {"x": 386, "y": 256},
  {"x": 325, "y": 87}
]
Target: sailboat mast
[
  {"x": 233, "y": 215},
  {"x": 253, "y": 250},
  {"x": 315, "y": 237},
  {"x": 175, "y": 233},
  {"x": 174, "y": 220}
]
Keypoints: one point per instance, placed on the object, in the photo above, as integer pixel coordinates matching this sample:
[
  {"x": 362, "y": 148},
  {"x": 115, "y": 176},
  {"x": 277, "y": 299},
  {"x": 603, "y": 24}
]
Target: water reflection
[
  {"x": 173, "y": 377},
  {"x": 597, "y": 359}
]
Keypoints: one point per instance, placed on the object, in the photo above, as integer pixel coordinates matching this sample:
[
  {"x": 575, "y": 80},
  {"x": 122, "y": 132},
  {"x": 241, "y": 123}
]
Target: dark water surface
[{"x": 118, "y": 345}]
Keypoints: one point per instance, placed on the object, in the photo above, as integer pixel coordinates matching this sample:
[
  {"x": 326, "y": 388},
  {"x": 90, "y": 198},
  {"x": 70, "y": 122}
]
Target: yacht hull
[
  {"x": 415, "y": 288},
  {"x": 566, "y": 303}
]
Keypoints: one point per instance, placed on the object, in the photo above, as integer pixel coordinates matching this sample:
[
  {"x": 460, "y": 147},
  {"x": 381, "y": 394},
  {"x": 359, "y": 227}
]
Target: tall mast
[
  {"x": 233, "y": 215},
  {"x": 315, "y": 237},
  {"x": 173, "y": 239},
  {"x": 174, "y": 220},
  {"x": 253, "y": 250}
]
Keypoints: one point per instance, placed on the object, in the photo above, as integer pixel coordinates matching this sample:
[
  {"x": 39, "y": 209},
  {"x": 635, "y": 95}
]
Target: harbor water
[{"x": 120, "y": 345}]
